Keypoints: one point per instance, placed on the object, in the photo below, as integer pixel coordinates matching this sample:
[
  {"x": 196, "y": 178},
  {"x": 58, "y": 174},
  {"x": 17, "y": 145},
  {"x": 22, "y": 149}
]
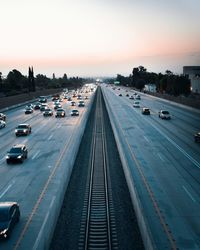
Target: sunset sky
[{"x": 98, "y": 37}]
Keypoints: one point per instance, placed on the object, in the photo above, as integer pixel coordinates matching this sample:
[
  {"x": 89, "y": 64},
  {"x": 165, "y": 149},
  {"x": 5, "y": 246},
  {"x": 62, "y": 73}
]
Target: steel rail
[{"x": 97, "y": 217}]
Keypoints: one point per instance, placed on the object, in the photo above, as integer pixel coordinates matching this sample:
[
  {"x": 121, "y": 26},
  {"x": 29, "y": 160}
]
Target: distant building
[
  {"x": 193, "y": 72},
  {"x": 150, "y": 88}
]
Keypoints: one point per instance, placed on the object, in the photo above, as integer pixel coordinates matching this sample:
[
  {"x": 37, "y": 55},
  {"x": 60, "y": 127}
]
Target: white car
[
  {"x": 164, "y": 114},
  {"x": 137, "y": 97},
  {"x": 2, "y": 124},
  {"x": 136, "y": 104}
]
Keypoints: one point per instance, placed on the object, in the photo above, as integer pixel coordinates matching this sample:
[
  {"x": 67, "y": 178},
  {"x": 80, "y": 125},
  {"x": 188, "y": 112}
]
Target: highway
[
  {"x": 39, "y": 183},
  {"x": 163, "y": 165},
  {"x": 160, "y": 158}
]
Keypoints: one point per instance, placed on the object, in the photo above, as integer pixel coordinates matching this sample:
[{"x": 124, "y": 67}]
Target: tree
[{"x": 15, "y": 80}]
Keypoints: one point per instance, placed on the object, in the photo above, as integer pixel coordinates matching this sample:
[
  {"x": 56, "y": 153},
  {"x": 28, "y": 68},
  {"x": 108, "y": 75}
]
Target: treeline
[
  {"x": 165, "y": 83},
  {"x": 17, "y": 83}
]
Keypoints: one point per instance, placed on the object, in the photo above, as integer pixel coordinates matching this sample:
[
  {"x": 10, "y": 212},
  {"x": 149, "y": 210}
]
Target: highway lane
[
  {"x": 166, "y": 160},
  {"x": 34, "y": 183}
]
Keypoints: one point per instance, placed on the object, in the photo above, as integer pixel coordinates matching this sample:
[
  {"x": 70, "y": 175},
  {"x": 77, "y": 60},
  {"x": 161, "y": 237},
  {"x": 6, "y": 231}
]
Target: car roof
[
  {"x": 23, "y": 124},
  {"x": 18, "y": 146},
  {"x": 7, "y": 204}
]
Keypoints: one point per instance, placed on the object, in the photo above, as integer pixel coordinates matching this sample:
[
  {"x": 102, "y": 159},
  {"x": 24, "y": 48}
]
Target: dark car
[
  {"x": 120, "y": 95},
  {"x": 37, "y": 105},
  {"x": 9, "y": 216},
  {"x": 28, "y": 110},
  {"x": 73, "y": 103},
  {"x": 48, "y": 112},
  {"x": 2, "y": 117},
  {"x": 81, "y": 103},
  {"x": 18, "y": 152},
  {"x": 23, "y": 129},
  {"x": 146, "y": 111},
  {"x": 74, "y": 112},
  {"x": 57, "y": 106},
  {"x": 60, "y": 112},
  {"x": 197, "y": 137},
  {"x": 42, "y": 99}
]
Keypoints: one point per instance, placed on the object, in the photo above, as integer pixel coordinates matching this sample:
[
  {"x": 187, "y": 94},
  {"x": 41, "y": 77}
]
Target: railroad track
[{"x": 98, "y": 230}]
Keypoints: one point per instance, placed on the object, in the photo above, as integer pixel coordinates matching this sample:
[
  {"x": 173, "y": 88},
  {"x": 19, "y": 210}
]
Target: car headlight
[
  {"x": 4, "y": 232},
  {"x": 7, "y": 156},
  {"x": 19, "y": 157},
  {"x": 24, "y": 130},
  {"x": 15, "y": 130}
]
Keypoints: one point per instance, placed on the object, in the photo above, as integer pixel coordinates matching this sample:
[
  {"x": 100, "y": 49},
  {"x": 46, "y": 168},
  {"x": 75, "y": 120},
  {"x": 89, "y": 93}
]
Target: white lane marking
[
  {"x": 6, "y": 190},
  {"x": 35, "y": 155},
  {"x": 196, "y": 163},
  {"x": 2, "y": 160},
  {"x": 160, "y": 156},
  {"x": 50, "y": 166},
  {"x": 189, "y": 194},
  {"x": 35, "y": 247},
  {"x": 49, "y": 138},
  {"x": 146, "y": 139}
]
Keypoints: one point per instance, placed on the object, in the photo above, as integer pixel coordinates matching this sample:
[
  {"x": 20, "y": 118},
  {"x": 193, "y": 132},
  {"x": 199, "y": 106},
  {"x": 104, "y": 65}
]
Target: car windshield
[
  {"x": 15, "y": 150},
  {"x": 22, "y": 126},
  {"x": 165, "y": 112},
  {"x": 47, "y": 110},
  {"x": 4, "y": 215}
]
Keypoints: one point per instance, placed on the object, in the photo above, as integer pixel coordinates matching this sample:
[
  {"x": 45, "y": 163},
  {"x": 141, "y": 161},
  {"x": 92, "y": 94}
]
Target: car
[
  {"x": 43, "y": 107},
  {"x": 69, "y": 99},
  {"x": 74, "y": 112},
  {"x": 48, "y": 112},
  {"x": 28, "y": 110},
  {"x": 86, "y": 97},
  {"x": 23, "y": 129},
  {"x": 60, "y": 112},
  {"x": 127, "y": 95},
  {"x": 9, "y": 216},
  {"x": 73, "y": 103},
  {"x": 57, "y": 106},
  {"x": 37, "y": 105},
  {"x": 42, "y": 99},
  {"x": 138, "y": 97},
  {"x": 120, "y": 95},
  {"x": 18, "y": 152},
  {"x": 197, "y": 137},
  {"x": 79, "y": 97},
  {"x": 136, "y": 104},
  {"x": 30, "y": 106},
  {"x": 2, "y": 117},
  {"x": 55, "y": 97},
  {"x": 81, "y": 103},
  {"x": 131, "y": 97},
  {"x": 164, "y": 114},
  {"x": 145, "y": 111},
  {"x": 2, "y": 124}
]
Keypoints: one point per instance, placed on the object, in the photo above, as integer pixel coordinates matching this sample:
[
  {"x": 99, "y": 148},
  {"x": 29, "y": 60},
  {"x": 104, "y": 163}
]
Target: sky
[{"x": 98, "y": 37}]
